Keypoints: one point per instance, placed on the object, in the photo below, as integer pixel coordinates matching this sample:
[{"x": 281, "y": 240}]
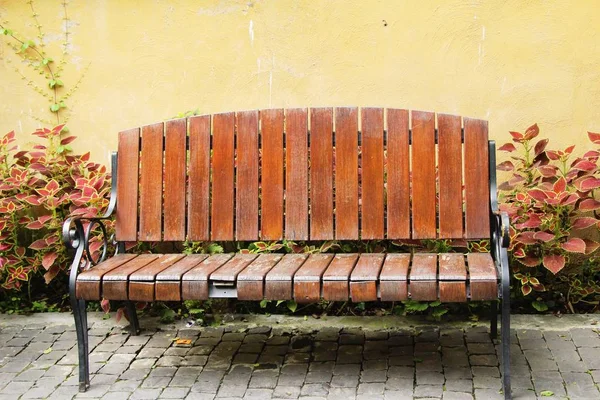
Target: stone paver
[{"x": 262, "y": 362}]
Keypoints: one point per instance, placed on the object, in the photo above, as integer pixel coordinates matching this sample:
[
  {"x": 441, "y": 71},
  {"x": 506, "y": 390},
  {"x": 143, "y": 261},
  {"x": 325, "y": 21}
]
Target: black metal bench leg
[
  {"x": 494, "y": 320},
  {"x": 86, "y": 342},
  {"x": 506, "y": 345},
  {"x": 81, "y": 345},
  {"x": 134, "y": 325}
]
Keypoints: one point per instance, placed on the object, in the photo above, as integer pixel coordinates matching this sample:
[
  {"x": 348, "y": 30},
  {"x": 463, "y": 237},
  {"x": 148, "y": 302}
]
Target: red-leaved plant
[
  {"x": 550, "y": 199},
  {"x": 39, "y": 188}
]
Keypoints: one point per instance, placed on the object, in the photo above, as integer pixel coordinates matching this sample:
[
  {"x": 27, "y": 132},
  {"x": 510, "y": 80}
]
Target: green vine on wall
[{"x": 33, "y": 54}]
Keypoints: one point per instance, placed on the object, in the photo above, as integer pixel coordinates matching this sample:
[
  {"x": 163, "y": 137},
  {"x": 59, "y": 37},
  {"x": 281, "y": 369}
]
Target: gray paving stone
[
  {"x": 145, "y": 394},
  {"x": 371, "y": 388},
  {"x": 286, "y": 392}
]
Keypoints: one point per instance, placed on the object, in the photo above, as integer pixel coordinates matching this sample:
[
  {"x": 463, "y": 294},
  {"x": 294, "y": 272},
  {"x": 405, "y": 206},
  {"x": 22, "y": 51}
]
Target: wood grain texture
[
  {"x": 222, "y": 177},
  {"x": 321, "y": 173},
  {"x": 372, "y": 203},
  {"x": 336, "y": 277},
  {"x": 194, "y": 283},
  {"x": 393, "y": 279},
  {"x": 151, "y": 179},
  {"x": 452, "y": 277},
  {"x": 199, "y": 179},
  {"x": 296, "y": 191},
  {"x": 423, "y": 290},
  {"x": 452, "y": 267},
  {"x": 278, "y": 282},
  {"x": 423, "y": 277},
  {"x": 88, "y": 282},
  {"x": 424, "y": 267},
  {"x": 229, "y": 271},
  {"x": 364, "y": 277},
  {"x": 149, "y": 272},
  {"x": 128, "y": 162},
  {"x": 115, "y": 282},
  {"x": 272, "y": 174},
  {"x": 398, "y": 175},
  {"x": 168, "y": 281},
  {"x": 175, "y": 176},
  {"x": 450, "y": 176},
  {"x": 250, "y": 282},
  {"x": 477, "y": 189},
  {"x": 307, "y": 280},
  {"x": 453, "y": 291},
  {"x": 346, "y": 173},
  {"x": 423, "y": 175},
  {"x": 483, "y": 276},
  {"x": 246, "y": 205}
]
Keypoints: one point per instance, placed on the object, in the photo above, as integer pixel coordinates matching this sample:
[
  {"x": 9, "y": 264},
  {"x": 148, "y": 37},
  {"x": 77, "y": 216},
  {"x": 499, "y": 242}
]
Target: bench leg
[
  {"x": 506, "y": 342},
  {"x": 494, "y": 320},
  {"x": 80, "y": 316},
  {"x": 134, "y": 325}
]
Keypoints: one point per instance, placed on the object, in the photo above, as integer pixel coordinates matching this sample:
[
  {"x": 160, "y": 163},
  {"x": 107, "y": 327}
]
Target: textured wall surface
[{"x": 512, "y": 62}]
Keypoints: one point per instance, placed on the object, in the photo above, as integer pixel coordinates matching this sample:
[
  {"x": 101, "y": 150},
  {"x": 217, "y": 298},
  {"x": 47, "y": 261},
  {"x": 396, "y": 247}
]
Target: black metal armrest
[
  {"x": 501, "y": 228},
  {"x": 74, "y": 235}
]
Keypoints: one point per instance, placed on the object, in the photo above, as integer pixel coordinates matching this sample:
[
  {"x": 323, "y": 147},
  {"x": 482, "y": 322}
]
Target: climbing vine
[{"x": 32, "y": 53}]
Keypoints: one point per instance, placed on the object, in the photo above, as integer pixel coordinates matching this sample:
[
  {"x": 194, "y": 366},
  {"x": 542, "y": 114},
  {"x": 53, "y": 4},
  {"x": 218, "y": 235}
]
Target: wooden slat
[
  {"x": 483, "y": 276},
  {"x": 199, "y": 179},
  {"x": 336, "y": 277},
  {"x": 452, "y": 277},
  {"x": 150, "y": 271},
  {"x": 142, "y": 281},
  {"x": 307, "y": 280},
  {"x": 477, "y": 188},
  {"x": 272, "y": 174},
  {"x": 194, "y": 283},
  {"x": 128, "y": 159},
  {"x": 372, "y": 207},
  {"x": 393, "y": 278},
  {"x": 88, "y": 282},
  {"x": 278, "y": 282},
  {"x": 346, "y": 173},
  {"x": 222, "y": 177},
  {"x": 398, "y": 175},
  {"x": 423, "y": 277},
  {"x": 168, "y": 281},
  {"x": 230, "y": 270},
  {"x": 175, "y": 171},
  {"x": 246, "y": 206},
  {"x": 450, "y": 176},
  {"x": 114, "y": 283},
  {"x": 296, "y": 191},
  {"x": 423, "y": 175},
  {"x": 363, "y": 281},
  {"x": 250, "y": 282},
  {"x": 321, "y": 173},
  {"x": 452, "y": 267},
  {"x": 151, "y": 178}
]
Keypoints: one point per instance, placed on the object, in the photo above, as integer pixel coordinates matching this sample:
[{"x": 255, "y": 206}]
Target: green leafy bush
[
  {"x": 550, "y": 199},
  {"x": 39, "y": 188}
]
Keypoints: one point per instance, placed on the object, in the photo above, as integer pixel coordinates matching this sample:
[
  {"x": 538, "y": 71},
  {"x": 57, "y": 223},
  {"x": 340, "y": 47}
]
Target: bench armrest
[
  {"x": 76, "y": 236},
  {"x": 501, "y": 228}
]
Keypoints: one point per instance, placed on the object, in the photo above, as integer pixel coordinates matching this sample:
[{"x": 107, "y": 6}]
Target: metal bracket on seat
[{"x": 222, "y": 289}]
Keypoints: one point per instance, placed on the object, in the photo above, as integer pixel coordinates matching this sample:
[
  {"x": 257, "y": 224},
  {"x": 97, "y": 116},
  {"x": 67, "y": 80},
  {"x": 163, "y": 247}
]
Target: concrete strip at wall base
[{"x": 542, "y": 322}]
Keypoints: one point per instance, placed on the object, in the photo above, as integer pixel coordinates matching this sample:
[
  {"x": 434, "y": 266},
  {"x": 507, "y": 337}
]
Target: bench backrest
[{"x": 304, "y": 174}]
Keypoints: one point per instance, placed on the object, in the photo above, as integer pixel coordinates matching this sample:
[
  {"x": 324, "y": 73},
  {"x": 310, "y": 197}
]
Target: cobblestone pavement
[{"x": 263, "y": 362}]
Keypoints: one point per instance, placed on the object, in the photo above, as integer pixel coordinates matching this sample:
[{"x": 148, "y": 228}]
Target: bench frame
[{"x": 76, "y": 236}]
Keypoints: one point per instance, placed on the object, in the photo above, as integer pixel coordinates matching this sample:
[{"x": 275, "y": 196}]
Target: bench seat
[{"x": 305, "y": 278}]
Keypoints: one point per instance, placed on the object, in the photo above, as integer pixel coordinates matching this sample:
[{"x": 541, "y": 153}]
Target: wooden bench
[{"x": 316, "y": 174}]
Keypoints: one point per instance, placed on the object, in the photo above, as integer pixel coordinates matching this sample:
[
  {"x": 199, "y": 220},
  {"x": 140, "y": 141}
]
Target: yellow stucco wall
[{"x": 513, "y": 62}]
